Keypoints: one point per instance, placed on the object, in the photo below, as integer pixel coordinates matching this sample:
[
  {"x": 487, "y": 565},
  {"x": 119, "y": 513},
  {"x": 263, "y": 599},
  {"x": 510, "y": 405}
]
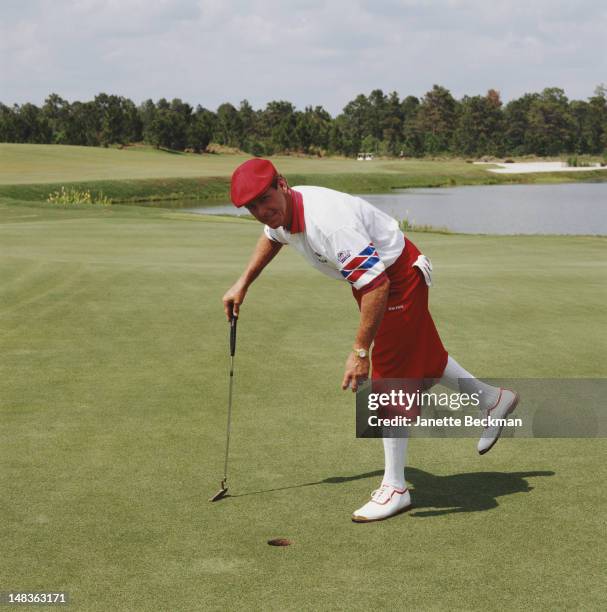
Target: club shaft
[{"x": 229, "y": 425}]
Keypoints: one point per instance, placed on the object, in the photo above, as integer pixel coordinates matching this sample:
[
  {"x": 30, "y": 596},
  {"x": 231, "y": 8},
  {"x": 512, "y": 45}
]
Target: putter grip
[{"x": 233, "y": 322}]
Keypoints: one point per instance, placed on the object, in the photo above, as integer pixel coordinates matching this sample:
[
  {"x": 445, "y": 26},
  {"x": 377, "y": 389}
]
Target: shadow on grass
[{"x": 471, "y": 492}]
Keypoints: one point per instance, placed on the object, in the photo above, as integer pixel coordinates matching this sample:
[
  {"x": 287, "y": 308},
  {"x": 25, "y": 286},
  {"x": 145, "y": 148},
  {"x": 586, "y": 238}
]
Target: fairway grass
[
  {"x": 143, "y": 174},
  {"x": 114, "y": 394}
]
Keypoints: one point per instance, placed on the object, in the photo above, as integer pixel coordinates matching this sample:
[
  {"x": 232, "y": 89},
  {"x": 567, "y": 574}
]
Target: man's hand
[
  {"x": 233, "y": 298},
  {"x": 357, "y": 371}
]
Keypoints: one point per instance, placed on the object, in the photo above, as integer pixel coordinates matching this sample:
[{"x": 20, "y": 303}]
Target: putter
[{"x": 223, "y": 491}]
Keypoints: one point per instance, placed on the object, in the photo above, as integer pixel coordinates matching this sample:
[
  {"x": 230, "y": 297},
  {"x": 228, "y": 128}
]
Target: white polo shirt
[{"x": 341, "y": 235}]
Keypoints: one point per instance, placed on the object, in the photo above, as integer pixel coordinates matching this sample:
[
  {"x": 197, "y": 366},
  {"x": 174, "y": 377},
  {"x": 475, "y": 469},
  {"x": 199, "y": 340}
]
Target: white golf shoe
[
  {"x": 385, "y": 502},
  {"x": 506, "y": 403}
]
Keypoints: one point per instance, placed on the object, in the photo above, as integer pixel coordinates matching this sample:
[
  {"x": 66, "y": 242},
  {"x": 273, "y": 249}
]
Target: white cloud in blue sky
[{"x": 306, "y": 51}]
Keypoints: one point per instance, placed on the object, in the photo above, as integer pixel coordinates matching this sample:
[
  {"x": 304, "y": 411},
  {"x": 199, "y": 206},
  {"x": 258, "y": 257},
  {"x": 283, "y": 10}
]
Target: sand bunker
[{"x": 526, "y": 167}]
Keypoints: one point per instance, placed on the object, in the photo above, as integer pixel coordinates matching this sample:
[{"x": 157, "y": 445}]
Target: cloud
[{"x": 306, "y": 51}]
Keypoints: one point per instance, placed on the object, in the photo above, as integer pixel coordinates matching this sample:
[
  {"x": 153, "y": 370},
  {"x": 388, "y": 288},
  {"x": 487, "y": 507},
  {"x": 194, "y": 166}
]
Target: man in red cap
[{"x": 348, "y": 239}]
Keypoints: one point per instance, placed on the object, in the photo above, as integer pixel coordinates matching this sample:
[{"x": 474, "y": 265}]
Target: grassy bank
[
  {"x": 129, "y": 190},
  {"x": 114, "y": 386},
  {"x": 31, "y": 172}
]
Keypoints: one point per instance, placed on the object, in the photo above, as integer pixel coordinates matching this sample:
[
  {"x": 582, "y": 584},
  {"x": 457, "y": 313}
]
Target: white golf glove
[{"x": 425, "y": 265}]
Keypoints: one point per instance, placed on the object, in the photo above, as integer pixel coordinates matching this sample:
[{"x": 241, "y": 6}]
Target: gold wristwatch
[{"x": 361, "y": 353}]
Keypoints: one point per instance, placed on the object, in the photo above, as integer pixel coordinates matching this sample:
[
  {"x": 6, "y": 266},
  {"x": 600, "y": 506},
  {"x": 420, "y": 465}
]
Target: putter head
[{"x": 221, "y": 493}]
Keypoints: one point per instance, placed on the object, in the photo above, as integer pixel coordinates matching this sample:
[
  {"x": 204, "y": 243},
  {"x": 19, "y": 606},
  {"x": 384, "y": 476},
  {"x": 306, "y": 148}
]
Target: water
[{"x": 565, "y": 208}]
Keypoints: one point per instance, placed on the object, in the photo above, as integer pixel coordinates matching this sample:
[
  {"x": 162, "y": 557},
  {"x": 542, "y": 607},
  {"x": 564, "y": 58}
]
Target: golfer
[{"x": 350, "y": 240}]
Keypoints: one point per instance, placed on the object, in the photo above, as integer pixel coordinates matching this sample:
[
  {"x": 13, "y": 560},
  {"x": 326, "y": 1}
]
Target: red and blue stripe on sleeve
[{"x": 365, "y": 262}]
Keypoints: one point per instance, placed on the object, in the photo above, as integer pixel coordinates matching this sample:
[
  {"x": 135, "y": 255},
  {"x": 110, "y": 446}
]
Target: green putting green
[{"x": 114, "y": 393}]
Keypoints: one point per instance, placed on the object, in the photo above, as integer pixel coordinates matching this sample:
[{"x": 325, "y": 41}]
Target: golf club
[{"x": 224, "y": 483}]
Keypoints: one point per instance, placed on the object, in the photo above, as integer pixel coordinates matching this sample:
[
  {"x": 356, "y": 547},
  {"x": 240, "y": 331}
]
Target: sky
[{"x": 309, "y": 52}]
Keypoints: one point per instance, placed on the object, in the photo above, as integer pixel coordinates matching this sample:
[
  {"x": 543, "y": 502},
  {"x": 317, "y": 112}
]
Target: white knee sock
[
  {"x": 456, "y": 378},
  {"x": 395, "y": 451}
]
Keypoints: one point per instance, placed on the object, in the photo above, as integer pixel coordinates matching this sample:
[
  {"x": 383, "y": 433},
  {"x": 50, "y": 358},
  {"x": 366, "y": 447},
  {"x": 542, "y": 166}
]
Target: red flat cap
[{"x": 250, "y": 180}]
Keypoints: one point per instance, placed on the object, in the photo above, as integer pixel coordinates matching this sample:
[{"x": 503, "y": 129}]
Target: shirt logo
[
  {"x": 320, "y": 257},
  {"x": 343, "y": 256}
]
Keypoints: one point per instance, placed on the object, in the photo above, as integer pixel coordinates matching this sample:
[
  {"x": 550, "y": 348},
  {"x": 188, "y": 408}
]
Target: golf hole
[{"x": 280, "y": 542}]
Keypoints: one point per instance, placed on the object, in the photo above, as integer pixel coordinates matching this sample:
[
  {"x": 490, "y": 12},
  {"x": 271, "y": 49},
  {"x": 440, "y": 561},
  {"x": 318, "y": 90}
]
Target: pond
[{"x": 565, "y": 208}]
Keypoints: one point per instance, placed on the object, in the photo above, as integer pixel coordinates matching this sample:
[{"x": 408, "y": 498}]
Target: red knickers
[{"x": 407, "y": 344}]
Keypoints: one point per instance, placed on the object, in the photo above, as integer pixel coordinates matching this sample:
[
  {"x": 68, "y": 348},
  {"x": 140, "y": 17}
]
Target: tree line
[{"x": 545, "y": 123}]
